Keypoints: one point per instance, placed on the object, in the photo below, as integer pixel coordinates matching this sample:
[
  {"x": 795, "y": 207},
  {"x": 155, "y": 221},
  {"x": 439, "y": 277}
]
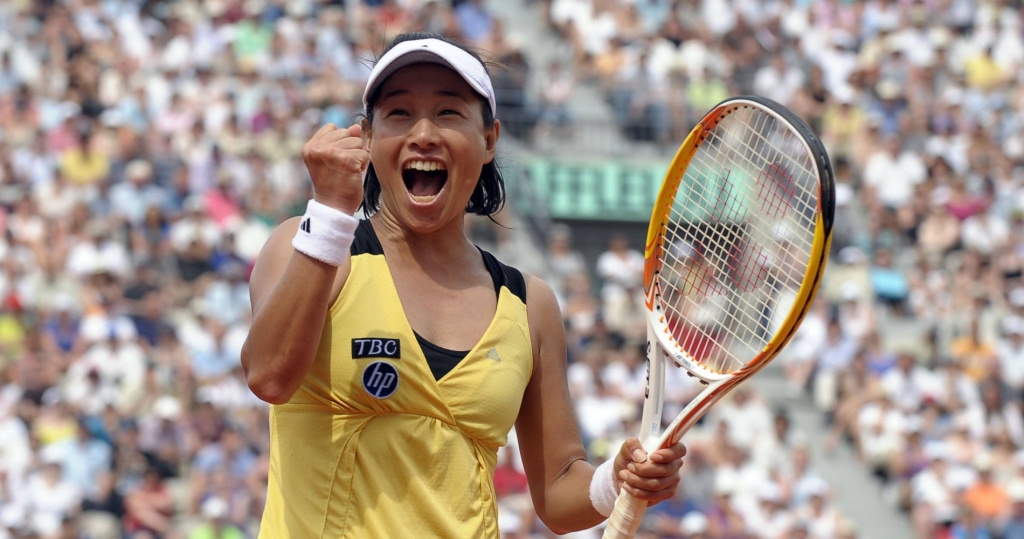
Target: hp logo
[{"x": 380, "y": 379}]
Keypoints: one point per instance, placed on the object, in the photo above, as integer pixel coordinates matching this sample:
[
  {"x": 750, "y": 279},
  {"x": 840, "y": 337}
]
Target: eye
[
  {"x": 447, "y": 112},
  {"x": 397, "y": 112}
]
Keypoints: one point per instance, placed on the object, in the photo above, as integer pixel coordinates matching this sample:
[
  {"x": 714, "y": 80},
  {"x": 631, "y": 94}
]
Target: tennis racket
[{"x": 737, "y": 243}]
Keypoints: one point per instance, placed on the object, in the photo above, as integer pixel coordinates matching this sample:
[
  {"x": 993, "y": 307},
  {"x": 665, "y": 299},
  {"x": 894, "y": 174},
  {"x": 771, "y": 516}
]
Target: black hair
[{"x": 489, "y": 195}]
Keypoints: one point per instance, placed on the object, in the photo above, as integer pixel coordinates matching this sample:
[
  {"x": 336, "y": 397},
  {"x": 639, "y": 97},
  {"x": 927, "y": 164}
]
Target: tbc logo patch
[
  {"x": 373, "y": 347},
  {"x": 380, "y": 379}
]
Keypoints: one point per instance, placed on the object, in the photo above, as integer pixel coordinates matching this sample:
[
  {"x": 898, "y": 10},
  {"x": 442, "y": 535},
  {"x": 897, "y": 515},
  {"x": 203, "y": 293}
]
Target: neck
[{"x": 437, "y": 249}]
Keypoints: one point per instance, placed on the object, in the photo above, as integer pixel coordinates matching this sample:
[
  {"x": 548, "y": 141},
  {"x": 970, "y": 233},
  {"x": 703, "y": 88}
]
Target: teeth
[{"x": 426, "y": 166}]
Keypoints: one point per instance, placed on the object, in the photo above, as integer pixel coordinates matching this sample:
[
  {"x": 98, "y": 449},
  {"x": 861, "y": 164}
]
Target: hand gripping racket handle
[
  {"x": 626, "y": 517},
  {"x": 629, "y": 511}
]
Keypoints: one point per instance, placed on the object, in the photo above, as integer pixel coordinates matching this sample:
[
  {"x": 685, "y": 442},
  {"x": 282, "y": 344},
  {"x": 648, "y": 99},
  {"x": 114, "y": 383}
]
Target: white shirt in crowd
[
  {"x": 881, "y": 429},
  {"x": 747, "y": 422},
  {"x": 907, "y": 390},
  {"x": 15, "y": 451},
  {"x": 984, "y": 233},
  {"x": 600, "y": 414},
  {"x": 49, "y": 502},
  {"x": 189, "y": 229},
  {"x": 894, "y": 177},
  {"x": 91, "y": 257},
  {"x": 1010, "y": 352},
  {"x": 765, "y": 513},
  {"x": 121, "y": 370},
  {"x": 620, "y": 272},
  {"x": 950, "y": 386},
  {"x": 937, "y": 485},
  {"x": 778, "y": 84}
]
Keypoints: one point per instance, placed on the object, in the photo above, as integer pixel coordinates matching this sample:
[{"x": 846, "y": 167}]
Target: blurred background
[{"x": 148, "y": 148}]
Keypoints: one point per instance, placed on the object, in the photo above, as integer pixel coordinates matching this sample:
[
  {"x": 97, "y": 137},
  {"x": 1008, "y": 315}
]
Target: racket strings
[
  {"x": 754, "y": 152},
  {"x": 738, "y": 235},
  {"x": 755, "y": 156}
]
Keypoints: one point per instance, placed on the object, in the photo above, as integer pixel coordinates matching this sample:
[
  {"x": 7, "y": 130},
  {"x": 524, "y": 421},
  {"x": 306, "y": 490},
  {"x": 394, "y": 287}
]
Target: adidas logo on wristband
[{"x": 335, "y": 231}]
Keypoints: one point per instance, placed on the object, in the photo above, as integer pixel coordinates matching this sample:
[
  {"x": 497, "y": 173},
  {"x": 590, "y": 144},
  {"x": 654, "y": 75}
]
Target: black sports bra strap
[{"x": 504, "y": 275}]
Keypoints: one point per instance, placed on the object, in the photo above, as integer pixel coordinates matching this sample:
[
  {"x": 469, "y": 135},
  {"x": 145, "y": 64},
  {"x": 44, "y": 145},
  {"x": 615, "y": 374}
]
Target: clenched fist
[{"x": 336, "y": 158}]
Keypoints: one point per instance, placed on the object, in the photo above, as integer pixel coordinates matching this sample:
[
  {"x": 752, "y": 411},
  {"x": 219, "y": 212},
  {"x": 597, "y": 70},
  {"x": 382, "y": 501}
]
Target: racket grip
[{"x": 625, "y": 518}]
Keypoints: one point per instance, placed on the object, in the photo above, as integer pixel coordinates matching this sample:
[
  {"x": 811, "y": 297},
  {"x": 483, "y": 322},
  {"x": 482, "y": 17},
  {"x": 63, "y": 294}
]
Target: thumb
[{"x": 632, "y": 451}]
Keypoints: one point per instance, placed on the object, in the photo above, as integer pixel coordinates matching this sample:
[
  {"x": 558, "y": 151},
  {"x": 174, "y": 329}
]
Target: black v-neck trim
[{"x": 442, "y": 360}]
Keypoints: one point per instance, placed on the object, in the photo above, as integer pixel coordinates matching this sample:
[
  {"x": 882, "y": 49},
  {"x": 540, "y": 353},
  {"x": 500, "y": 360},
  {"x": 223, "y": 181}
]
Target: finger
[
  {"x": 355, "y": 130},
  {"x": 650, "y": 496},
  {"x": 344, "y": 144},
  {"x": 633, "y": 451},
  {"x": 649, "y": 482},
  {"x": 362, "y": 160},
  {"x": 668, "y": 454},
  {"x": 349, "y": 161},
  {"x": 339, "y": 154},
  {"x": 655, "y": 470},
  {"x": 333, "y": 137},
  {"x": 650, "y": 489},
  {"x": 326, "y": 128},
  {"x": 337, "y": 158}
]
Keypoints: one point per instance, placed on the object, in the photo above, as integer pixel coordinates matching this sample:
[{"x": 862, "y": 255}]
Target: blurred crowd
[
  {"x": 914, "y": 351},
  {"x": 148, "y": 148}
]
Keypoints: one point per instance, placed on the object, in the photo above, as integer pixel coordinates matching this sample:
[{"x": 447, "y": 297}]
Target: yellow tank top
[{"x": 371, "y": 445}]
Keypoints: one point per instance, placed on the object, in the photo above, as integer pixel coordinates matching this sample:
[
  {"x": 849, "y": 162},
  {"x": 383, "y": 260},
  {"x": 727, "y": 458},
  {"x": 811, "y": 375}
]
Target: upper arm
[
  {"x": 549, "y": 437},
  {"x": 271, "y": 262}
]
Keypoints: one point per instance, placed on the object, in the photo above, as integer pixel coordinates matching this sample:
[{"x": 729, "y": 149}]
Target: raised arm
[
  {"x": 549, "y": 438},
  {"x": 290, "y": 291}
]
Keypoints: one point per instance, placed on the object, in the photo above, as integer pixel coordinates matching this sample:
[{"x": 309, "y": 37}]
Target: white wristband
[
  {"x": 325, "y": 233},
  {"x": 602, "y": 488}
]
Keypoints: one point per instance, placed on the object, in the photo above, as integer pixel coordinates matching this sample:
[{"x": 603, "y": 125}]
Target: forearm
[
  {"x": 286, "y": 330},
  {"x": 565, "y": 504},
  {"x": 553, "y": 454}
]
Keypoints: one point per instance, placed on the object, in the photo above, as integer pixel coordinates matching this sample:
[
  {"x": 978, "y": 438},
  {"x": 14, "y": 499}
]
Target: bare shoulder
[
  {"x": 540, "y": 297},
  {"x": 278, "y": 246},
  {"x": 285, "y": 230},
  {"x": 272, "y": 260},
  {"x": 546, "y": 325}
]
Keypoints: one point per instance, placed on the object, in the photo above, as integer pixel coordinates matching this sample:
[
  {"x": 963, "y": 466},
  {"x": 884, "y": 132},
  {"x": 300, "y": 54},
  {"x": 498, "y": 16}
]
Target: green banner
[
  {"x": 595, "y": 190},
  {"x": 626, "y": 191}
]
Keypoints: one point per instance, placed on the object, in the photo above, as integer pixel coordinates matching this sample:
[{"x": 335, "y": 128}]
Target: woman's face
[{"x": 428, "y": 144}]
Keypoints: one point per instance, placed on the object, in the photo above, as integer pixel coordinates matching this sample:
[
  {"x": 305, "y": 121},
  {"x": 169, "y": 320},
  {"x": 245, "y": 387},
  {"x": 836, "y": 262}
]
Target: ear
[
  {"x": 367, "y": 133},
  {"x": 491, "y": 136}
]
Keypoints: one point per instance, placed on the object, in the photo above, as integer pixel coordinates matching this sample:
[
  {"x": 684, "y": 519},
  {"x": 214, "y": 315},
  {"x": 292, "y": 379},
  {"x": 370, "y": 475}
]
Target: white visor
[{"x": 432, "y": 51}]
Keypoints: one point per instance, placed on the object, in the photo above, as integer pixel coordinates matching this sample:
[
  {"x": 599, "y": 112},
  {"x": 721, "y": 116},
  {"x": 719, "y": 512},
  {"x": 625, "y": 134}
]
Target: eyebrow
[{"x": 402, "y": 91}]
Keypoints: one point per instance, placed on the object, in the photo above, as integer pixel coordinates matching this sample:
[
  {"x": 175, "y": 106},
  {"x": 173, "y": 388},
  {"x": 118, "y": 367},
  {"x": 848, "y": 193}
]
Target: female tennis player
[{"x": 397, "y": 355}]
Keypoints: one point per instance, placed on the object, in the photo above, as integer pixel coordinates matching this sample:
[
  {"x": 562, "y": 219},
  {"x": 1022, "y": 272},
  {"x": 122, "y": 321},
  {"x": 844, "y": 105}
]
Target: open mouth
[{"x": 424, "y": 179}]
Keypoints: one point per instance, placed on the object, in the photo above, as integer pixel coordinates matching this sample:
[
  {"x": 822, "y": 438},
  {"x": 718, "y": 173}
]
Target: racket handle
[{"x": 626, "y": 517}]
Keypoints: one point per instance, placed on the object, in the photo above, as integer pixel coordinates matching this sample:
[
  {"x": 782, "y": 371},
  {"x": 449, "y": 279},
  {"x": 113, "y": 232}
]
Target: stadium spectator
[
  {"x": 620, "y": 268},
  {"x": 555, "y": 92}
]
